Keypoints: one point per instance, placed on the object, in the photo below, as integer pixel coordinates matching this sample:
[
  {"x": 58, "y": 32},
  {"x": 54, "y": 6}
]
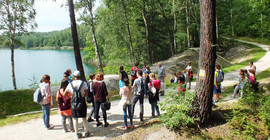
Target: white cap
[{"x": 76, "y": 73}]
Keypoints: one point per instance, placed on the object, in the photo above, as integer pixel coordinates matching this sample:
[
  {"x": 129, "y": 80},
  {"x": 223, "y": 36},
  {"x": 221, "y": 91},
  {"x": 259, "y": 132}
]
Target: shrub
[
  {"x": 179, "y": 108},
  {"x": 264, "y": 111}
]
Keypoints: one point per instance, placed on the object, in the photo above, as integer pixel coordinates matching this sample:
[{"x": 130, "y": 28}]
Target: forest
[{"x": 148, "y": 29}]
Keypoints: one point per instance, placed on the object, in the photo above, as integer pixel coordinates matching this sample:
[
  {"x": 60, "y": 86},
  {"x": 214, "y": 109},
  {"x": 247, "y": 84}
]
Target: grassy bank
[
  {"x": 258, "y": 40},
  {"x": 256, "y": 52}
]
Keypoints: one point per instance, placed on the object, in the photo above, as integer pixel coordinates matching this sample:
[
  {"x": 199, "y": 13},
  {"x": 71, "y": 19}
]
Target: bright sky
[{"x": 53, "y": 15}]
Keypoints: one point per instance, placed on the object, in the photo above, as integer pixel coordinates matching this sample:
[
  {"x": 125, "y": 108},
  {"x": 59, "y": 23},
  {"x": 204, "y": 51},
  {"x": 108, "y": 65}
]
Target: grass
[
  {"x": 263, "y": 74},
  {"x": 259, "y": 40},
  {"x": 256, "y": 52}
]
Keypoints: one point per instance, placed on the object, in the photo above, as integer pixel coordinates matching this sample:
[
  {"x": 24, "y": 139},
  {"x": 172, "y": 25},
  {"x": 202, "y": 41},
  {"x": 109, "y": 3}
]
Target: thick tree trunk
[
  {"x": 188, "y": 23},
  {"x": 90, "y": 8},
  {"x": 75, "y": 39},
  {"x": 205, "y": 81},
  {"x": 174, "y": 27},
  {"x": 146, "y": 34},
  {"x": 167, "y": 26},
  {"x": 232, "y": 25},
  {"x": 129, "y": 33}
]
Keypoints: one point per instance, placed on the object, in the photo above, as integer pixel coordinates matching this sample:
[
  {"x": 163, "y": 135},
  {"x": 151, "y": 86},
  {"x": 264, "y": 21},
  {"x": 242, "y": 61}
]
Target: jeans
[
  {"x": 70, "y": 122},
  {"x": 128, "y": 107},
  {"x": 238, "y": 87},
  {"x": 97, "y": 106},
  {"x": 46, "y": 114},
  {"x": 92, "y": 110},
  {"x": 154, "y": 107},
  {"x": 134, "y": 101},
  {"x": 85, "y": 125}
]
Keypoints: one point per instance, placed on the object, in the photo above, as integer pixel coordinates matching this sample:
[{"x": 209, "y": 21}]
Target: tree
[
  {"x": 16, "y": 18},
  {"x": 188, "y": 23},
  {"x": 76, "y": 46},
  {"x": 205, "y": 82},
  {"x": 146, "y": 33},
  {"x": 89, "y": 5}
]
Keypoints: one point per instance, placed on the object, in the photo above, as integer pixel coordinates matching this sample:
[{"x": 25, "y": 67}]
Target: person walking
[
  {"x": 69, "y": 72},
  {"x": 125, "y": 102},
  {"x": 138, "y": 88},
  {"x": 46, "y": 102},
  {"x": 81, "y": 87},
  {"x": 161, "y": 78},
  {"x": 123, "y": 75},
  {"x": 153, "y": 100},
  {"x": 134, "y": 73},
  {"x": 100, "y": 93},
  {"x": 64, "y": 106},
  {"x": 188, "y": 74},
  {"x": 90, "y": 98}
]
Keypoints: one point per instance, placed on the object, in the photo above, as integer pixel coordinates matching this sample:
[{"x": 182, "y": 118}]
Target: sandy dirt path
[{"x": 35, "y": 130}]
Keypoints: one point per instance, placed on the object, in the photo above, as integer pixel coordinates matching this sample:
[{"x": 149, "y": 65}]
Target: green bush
[
  {"x": 179, "y": 108},
  {"x": 264, "y": 111},
  {"x": 115, "y": 69},
  {"x": 251, "y": 99}
]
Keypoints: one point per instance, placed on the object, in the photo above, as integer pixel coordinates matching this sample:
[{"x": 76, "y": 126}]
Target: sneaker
[
  {"x": 132, "y": 126},
  {"x": 50, "y": 127},
  {"x": 73, "y": 130},
  {"x": 87, "y": 134},
  {"x": 106, "y": 124},
  {"x": 90, "y": 119},
  {"x": 99, "y": 123},
  {"x": 126, "y": 128},
  {"x": 79, "y": 135}
]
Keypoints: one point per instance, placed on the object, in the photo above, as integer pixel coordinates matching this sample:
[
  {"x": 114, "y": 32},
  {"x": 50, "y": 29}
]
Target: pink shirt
[{"x": 156, "y": 83}]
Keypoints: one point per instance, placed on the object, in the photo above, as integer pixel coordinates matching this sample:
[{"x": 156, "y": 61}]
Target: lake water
[{"x": 30, "y": 63}]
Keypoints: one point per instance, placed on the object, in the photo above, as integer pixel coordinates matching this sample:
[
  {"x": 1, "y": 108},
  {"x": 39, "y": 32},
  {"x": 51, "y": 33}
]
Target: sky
[{"x": 53, "y": 15}]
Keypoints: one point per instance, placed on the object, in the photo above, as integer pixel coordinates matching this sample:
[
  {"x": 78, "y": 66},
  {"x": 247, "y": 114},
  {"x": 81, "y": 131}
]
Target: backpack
[
  {"x": 37, "y": 97},
  {"x": 152, "y": 92},
  {"x": 90, "y": 96},
  {"x": 220, "y": 76},
  {"x": 77, "y": 99},
  {"x": 141, "y": 88},
  {"x": 133, "y": 72},
  {"x": 191, "y": 75},
  {"x": 64, "y": 103}
]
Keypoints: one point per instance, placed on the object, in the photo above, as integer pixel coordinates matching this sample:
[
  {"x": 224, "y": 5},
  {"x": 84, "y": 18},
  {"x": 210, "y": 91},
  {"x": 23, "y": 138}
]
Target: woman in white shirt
[
  {"x": 188, "y": 78},
  {"x": 46, "y": 102},
  {"x": 125, "y": 102}
]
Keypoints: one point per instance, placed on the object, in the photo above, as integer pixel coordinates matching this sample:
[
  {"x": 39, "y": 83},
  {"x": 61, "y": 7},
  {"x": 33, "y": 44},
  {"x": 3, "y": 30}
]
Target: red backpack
[{"x": 64, "y": 103}]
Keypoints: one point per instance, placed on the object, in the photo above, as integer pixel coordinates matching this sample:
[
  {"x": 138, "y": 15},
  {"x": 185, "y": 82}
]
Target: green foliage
[
  {"x": 115, "y": 69},
  {"x": 34, "y": 82},
  {"x": 264, "y": 111},
  {"x": 251, "y": 99},
  {"x": 179, "y": 110}
]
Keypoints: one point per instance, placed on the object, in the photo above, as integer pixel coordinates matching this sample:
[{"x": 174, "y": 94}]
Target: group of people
[
  {"x": 183, "y": 78},
  {"x": 95, "y": 92},
  {"x": 246, "y": 79}
]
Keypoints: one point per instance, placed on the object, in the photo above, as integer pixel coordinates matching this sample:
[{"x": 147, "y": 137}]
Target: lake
[{"x": 36, "y": 63}]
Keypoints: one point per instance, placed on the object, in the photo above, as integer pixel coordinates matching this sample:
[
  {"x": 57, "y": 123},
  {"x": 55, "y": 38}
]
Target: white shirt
[
  {"x": 45, "y": 92},
  {"x": 76, "y": 84},
  {"x": 188, "y": 67}
]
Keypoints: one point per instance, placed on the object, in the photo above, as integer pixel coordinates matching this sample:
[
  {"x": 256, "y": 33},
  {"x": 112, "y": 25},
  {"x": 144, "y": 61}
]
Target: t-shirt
[
  {"x": 99, "y": 92},
  {"x": 45, "y": 92},
  {"x": 76, "y": 84},
  {"x": 137, "y": 84},
  {"x": 187, "y": 68},
  {"x": 216, "y": 75},
  {"x": 134, "y": 68},
  {"x": 125, "y": 92},
  {"x": 156, "y": 83},
  {"x": 161, "y": 72}
]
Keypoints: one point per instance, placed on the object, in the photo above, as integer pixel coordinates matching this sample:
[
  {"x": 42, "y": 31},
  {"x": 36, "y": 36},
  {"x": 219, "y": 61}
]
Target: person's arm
[
  {"x": 106, "y": 91},
  {"x": 216, "y": 81},
  {"x": 133, "y": 87},
  {"x": 120, "y": 75},
  {"x": 254, "y": 68}
]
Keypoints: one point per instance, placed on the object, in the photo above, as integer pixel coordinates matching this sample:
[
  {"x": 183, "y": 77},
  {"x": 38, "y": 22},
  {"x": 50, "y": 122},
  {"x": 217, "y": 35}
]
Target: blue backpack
[
  {"x": 220, "y": 76},
  {"x": 37, "y": 97}
]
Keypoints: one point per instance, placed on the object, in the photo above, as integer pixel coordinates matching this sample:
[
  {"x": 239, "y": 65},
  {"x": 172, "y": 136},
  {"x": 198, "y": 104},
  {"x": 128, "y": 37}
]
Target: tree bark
[
  {"x": 129, "y": 33},
  {"x": 187, "y": 22},
  {"x": 174, "y": 27},
  {"x": 217, "y": 30},
  {"x": 232, "y": 25},
  {"x": 90, "y": 8},
  {"x": 75, "y": 39},
  {"x": 167, "y": 26},
  {"x": 205, "y": 81},
  {"x": 146, "y": 34}
]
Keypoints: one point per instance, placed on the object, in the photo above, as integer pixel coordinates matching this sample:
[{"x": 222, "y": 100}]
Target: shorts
[{"x": 217, "y": 91}]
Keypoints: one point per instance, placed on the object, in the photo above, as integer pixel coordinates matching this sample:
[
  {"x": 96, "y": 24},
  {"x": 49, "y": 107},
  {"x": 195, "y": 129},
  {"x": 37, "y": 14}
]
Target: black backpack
[
  {"x": 90, "y": 97},
  {"x": 77, "y": 99}
]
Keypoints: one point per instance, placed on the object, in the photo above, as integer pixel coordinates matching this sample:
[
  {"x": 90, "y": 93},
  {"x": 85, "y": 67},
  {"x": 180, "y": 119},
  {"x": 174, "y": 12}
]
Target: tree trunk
[
  {"x": 187, "y": 22},
  {"x": 261, "y": 21},
  {"x": 75, "y": 39},
  {"x": 174, "y": 27},
  {"x": 12, "y": 64},
  {"x": 167, "y": 26},
  {"x": 232, "y": 26},
  {"x": 217, "y": 30},
  {"x": 205, "y": 81},
  {"x": 146, "y": 33},
  {"x": 129, "y": 33},
  {"x": 90, "y": 8}
]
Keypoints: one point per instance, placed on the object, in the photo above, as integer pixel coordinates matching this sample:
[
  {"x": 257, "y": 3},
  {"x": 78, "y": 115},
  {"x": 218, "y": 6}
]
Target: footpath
[{"x": 35, "y": 130}]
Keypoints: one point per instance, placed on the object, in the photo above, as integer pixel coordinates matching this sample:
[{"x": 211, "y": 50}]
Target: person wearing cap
[
  {"x": 161, "y": 78},
  {"x": 76, "y": 84}
]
